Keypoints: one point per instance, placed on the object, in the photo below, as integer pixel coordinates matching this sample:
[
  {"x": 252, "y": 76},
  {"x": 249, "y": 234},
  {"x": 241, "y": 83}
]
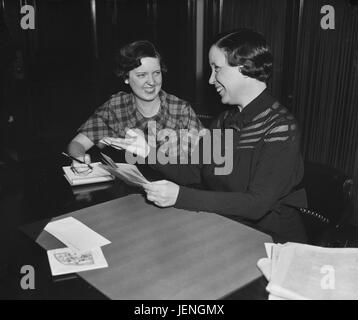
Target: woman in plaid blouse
[{"x": 141, "y": 68}]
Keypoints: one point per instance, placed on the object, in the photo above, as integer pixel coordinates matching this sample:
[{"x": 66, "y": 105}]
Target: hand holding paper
[
  {"x": 163, "y": 193},
  {"x": 134, "y": 142}
]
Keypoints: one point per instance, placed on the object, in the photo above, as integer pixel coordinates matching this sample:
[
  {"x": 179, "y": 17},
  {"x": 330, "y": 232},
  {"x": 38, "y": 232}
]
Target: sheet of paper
[
  {"x": 128, "y": 173},
  {"x": 65, "y": 260},
  {"x": 75, "y": 235},
  {"x": 264, "y": 264},
  {"x": 317, "y": 273},
  {"x": 268, "y": 248},
  {"x": 108, "y": 160},
  {"x": 301, "y": 272}
]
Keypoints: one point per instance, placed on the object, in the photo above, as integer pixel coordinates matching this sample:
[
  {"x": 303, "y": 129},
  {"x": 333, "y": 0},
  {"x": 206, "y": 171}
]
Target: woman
[
  {"x": 267, "y": 165},
  {"x": 141, "y": 68}
]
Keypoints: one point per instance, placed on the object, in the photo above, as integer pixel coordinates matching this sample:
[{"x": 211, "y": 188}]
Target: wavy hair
[
  {"x": 130, "y": 55},
  {"x": 248, "y": 49}
]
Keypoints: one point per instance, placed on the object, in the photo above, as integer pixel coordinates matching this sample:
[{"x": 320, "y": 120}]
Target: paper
[
  {"x": 98, "y": 174},
  {"x": 264, "y": 264},
  {"x": 128, "y": 173},
  {"x": 75, "y": 235},
  {"x": 297, "y": 271},
  {"x": 108, "y": 161},
  {"x": 65, "y": 260}
]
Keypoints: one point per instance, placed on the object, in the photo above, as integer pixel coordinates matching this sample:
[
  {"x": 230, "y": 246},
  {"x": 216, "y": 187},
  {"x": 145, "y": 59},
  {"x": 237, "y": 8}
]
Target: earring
[{"x": 126, "y": 81}]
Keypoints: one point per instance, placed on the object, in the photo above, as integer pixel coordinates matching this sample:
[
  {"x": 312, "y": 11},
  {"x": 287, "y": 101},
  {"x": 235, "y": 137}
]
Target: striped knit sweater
[{"x": 267, "y": 166}]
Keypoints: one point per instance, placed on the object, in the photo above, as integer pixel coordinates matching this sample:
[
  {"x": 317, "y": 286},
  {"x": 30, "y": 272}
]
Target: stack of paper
[
  {"x": 98, "y": 174},
  {"x": 83, "y": 250},
  {"x": 297, "y": 271}
]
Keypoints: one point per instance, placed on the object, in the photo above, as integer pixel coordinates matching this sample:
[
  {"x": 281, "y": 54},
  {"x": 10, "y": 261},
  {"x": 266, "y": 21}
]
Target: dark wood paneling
[
  {"x": 266, "y": 17},
  {"x": 167, "y": 23},
  {"x": 65, "y": 81}
]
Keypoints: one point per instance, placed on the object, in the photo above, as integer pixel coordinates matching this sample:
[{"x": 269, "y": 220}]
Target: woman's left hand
[
  {"x": 163, "y": 193},
  {"x": 134, "y": 142}
]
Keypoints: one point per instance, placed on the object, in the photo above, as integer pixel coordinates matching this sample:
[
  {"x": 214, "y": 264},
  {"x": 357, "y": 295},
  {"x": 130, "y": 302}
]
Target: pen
[{"x": 74, "y": 159}]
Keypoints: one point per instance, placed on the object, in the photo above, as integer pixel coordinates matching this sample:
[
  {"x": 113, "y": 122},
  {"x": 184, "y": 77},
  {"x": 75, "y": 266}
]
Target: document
[
  {"x": 128, "y": 173},
  {"x": 66, "y": 260},
  {"x": 300, "y": 272},
  {"x": 75, "y": 235},
  {"x": 98, "y": 174}
]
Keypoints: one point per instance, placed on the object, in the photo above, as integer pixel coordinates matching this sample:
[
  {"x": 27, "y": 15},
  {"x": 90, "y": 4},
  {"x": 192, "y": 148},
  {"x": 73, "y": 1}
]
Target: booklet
[{"x": 98, "y": 174}]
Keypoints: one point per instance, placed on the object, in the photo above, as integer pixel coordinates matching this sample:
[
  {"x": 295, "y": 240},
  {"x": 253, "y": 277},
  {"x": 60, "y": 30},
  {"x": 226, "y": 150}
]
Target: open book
[
  {"x": 98, "y": 174},
  {"x": 297, "y": 271}
]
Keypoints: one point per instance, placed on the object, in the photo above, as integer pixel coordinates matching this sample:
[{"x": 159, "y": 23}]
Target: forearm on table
[
  {"x": 246, "y": 205},
  {"x": 273, "y": 179}
]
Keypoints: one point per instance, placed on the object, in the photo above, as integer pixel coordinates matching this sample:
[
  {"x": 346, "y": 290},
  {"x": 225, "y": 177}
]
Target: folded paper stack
[{"x": 303, "y": 272}]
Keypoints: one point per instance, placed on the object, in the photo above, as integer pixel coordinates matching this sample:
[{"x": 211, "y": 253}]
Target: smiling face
[
  {"x": 228, "y": 81},
  {"x": 146, "y": 80}
]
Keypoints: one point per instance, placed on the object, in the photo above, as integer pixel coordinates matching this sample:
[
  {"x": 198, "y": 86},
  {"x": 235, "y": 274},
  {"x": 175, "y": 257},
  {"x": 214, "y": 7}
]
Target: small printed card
[{"x": 65, "y": 260}]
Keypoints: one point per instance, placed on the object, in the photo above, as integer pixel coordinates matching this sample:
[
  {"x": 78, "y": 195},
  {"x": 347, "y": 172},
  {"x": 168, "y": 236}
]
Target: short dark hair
[
  {"x": 247, "y": 48},
  {"x": 130, "y": 55}
]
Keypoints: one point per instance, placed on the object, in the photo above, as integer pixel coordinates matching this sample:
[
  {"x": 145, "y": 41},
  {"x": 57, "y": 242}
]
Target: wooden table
[{"x": 166, "y": 253}]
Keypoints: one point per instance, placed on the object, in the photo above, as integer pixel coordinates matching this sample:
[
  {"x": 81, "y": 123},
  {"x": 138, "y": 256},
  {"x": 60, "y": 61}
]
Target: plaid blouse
[{"x": 119, "y": 114}]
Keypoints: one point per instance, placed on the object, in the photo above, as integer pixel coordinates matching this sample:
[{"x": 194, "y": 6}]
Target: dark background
[{"x": 54, "y": 77}]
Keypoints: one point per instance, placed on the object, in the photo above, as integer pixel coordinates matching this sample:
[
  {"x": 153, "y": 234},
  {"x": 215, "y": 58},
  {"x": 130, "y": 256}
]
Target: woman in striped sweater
[{"x": 261, "y": 189}]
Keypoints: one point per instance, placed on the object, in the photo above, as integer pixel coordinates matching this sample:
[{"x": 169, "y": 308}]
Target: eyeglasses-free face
[
  {"x": 146, "y": 80},
  {"x": 228, "y": 80}
]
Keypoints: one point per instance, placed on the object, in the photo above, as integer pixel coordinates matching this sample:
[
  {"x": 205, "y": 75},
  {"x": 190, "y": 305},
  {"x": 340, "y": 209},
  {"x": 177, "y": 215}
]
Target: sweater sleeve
[{"x": 274, "y": 177}]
